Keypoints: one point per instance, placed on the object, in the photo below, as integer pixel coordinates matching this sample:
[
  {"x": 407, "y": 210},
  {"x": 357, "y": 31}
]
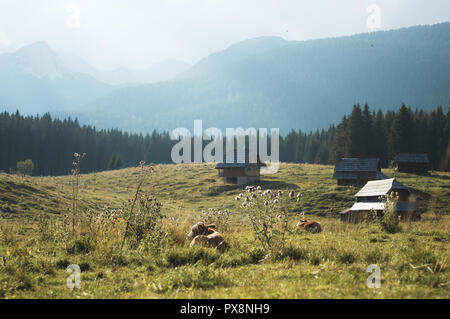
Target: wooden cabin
[
  {"x": 357, "y": 171},
  {"x": 372, "y": 198},
  {"x": 411, "y": 163},
  {"x": 241, "y": 170}
]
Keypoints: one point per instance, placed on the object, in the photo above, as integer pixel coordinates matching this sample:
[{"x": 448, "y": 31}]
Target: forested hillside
[{"x": 50, "y": 143}]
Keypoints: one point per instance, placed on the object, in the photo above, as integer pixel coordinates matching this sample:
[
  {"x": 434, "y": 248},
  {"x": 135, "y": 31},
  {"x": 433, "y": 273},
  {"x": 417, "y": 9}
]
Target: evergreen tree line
[
  {"x": 365, "y": 133},
  {"x": 50, "y": 143}
]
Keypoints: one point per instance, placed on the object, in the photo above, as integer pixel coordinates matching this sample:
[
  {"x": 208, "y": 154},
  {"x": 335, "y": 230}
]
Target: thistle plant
[
  {"x": 142, "y": 213},
  {"x": 268, "y": 212},
  {"x": 221, "y": 218},
  {"x": 390, "y": 221},
  {"x": 75, "y": 175}
]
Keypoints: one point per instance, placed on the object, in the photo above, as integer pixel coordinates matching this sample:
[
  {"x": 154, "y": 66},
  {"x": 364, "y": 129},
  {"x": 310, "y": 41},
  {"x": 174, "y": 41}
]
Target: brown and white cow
[
  {"x": 310, "y": 225},
  {"x": 206, "y": 234}
]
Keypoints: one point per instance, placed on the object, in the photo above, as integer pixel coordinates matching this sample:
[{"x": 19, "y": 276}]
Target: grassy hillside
[{"x": 34, "y": 252}]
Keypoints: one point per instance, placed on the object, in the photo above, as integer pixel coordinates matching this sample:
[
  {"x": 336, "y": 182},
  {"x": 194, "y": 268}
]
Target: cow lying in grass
[
  {"x": 206, "y": 234},
  {"x": 310, "y": 225}
]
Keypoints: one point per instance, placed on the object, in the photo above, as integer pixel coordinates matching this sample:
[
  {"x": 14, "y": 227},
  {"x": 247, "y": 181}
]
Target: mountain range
[
  {"x": 157, "y": 72},
  {"x": 261, "y": 82},
  {"x": 35, "y": 80}
]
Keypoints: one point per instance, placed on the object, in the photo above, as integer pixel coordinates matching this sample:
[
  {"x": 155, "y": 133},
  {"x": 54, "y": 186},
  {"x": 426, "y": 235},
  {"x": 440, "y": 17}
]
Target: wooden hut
[
  {"x": 372, "y": 197},
  {"x": 242, "y": 170},
  {"x": 412, "y": 163},
  {"x": 357, "y": 171}
]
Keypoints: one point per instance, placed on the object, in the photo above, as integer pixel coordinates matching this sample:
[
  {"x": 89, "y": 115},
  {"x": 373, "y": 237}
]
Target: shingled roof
[
  {"x": 358, "y": 165},
  {"x": 240, "y": 159},
  {"x": 362, "y": 175},
  {"x": 412, "y": 158},
  {"x": 380, "y": 188}
]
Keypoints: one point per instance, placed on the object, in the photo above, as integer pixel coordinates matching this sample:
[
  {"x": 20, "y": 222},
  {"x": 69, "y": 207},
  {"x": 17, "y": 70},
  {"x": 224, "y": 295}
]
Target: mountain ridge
[
  {"x": 300, "y": 84},
  {"x": 260, "y": 82}
]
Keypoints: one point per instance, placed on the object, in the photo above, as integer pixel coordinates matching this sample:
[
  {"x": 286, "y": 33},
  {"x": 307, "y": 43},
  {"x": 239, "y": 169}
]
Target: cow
[
  {"x": 206, "y": 234},
  {"x": 310, "y": 225}
]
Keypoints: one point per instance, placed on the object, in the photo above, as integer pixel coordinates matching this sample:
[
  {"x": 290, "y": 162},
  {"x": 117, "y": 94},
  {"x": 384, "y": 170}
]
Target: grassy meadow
[{"x": 36, "y": 245}]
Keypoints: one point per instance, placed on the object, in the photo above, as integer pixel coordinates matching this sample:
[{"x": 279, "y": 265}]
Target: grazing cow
[
  {"x": 310, "y": 225},
  {"x": 201, "y": 233}
]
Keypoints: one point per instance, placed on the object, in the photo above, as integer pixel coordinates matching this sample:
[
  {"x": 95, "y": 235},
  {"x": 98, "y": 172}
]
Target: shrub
[
  {"x": 268, "y": 213},
  {"x": 25, "y": 167},
  {"x": 143, "y": 216},
  {"x": 389, "y": 221}
]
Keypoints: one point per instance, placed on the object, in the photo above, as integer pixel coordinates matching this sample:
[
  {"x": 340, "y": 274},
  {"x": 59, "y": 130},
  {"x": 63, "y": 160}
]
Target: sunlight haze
[{"x": 136, "y": 34}]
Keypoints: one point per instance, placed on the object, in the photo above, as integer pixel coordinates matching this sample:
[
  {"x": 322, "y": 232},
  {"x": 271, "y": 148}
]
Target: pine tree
[
  {"x": 402, "y": 137},
  {"x": 380, "y": 140},
  {"x": 355, "y": 134},
  {"x": 367, "y": 133}
]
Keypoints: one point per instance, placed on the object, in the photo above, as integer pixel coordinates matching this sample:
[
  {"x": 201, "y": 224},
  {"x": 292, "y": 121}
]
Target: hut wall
[
  {"x": 252, "y": 170},
  {"x": 412, "y": 167},
  {"x": 233, "y": 172}
]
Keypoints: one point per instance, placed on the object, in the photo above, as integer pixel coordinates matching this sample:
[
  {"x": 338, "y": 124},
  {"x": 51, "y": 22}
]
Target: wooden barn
[
  {"x": 357, "y": 171},
  {"x": 412, "y": 163},
  {"x": 372, "y": 197},
  {"x": 241, "y": 170}
]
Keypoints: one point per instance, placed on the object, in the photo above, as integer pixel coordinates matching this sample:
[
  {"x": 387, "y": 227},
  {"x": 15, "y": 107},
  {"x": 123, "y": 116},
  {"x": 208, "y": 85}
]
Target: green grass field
[{"x": 332, "y": 264}]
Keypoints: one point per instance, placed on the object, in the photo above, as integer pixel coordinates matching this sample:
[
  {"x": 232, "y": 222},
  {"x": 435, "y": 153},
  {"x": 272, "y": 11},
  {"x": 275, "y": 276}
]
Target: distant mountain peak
[
  {"x": 254, "y": 46},
  {"x": 262, "y": 40},
  {"x": 236, "y": 52},
  {"x": 36, "y": 48},
  {"x": 39, "y": 60}
]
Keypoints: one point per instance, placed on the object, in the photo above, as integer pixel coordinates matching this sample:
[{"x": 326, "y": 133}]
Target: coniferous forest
[{"x": 50, "y": 143}]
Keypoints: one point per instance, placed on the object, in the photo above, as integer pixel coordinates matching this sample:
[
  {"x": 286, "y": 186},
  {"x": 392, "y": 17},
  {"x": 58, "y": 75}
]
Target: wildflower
[
  {"x": 299, "y": 195},
  {"x": 268, "y": 191},
  {"x": 275, "y": 201},
  {"x": 280, "y": 192},
  {"x": 258, "y": 188},
  {"x": 244, "y": 204},
  {"x": 247, "y": 199},
  {"x": 250, "y": 188},
  {"x": 266, "y": 203},
  {"x": 291, "y": 194},
  {"x": 237, "y": 198}
]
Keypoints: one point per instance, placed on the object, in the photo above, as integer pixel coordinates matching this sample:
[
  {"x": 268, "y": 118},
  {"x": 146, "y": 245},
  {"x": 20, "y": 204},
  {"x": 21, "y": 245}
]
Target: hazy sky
[{"x": 137, "y": 33}]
